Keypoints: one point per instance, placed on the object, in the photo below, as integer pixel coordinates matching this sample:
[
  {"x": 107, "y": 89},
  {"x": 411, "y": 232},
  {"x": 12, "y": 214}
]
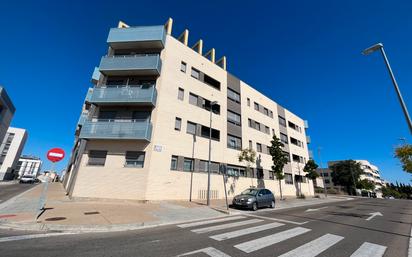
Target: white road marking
[
  {"x": 275, "y": 219},
  {"x": 410, "y": 244},
  {"x": 25, "y": 237},
  {"x": 373, "y": 215},
  {"x": 213, "y": 252},
  {"x": 315, "y": 247},
  {"x": 245, "y": 231},
  {"x": 317, "y": 209},
  {"x": 205, "y": 222},
  {"x": 224, "y": 226},
  {"x": 369, "y": 250},
  {"x": 257, "y": 244}
]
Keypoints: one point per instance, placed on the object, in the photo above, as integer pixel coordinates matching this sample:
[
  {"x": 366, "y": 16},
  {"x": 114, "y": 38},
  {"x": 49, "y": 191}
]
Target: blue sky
[{"x": 303, "y": 54}]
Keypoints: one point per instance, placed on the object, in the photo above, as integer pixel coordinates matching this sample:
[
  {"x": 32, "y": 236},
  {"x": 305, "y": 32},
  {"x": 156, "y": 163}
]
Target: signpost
[{"x": 54, "y": 155}]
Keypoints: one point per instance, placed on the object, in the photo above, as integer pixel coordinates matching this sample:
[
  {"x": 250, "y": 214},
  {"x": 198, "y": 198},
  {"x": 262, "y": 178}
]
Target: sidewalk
[{"x": 64, "y": 214}]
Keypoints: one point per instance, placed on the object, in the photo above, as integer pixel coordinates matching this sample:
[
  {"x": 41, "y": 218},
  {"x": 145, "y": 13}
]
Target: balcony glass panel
[
  {"x": 139, "y": 95},
  {"x": 135, "y": 37},
  {"x": 139, "y": 64},
  {"x": 118, "y": 129}
]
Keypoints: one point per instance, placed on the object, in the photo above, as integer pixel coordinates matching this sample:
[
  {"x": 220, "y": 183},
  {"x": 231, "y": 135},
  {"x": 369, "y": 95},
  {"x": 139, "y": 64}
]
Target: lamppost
[
  {"x": 210, "y": 149},
  {"x": 379, "y": 46}
]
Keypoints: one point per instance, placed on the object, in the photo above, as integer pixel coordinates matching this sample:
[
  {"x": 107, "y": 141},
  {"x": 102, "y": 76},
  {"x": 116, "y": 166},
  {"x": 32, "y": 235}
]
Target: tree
[
  {"x": 248, "y": 156},
  {"x": 279, "y": 158},
  {"x": 310, "y": 169},
  {"x": 404, "y": 154},
  {"x": 365, "y": 184},
  {"x": 346, "y": 174}
]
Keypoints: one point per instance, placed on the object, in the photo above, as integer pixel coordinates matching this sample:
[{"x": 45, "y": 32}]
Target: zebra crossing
[{"x": 215, "y": 230}]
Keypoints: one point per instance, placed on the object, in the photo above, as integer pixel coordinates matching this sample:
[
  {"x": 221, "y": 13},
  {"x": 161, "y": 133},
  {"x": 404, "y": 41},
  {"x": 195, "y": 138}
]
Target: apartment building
[
  {"x": 370, "y": 173},
  {"x": 143, "y": 133},
  {"x": 28, "y": 165},
  {"x": 7, "y": 110},
  {"x": 10, "y": 151}
]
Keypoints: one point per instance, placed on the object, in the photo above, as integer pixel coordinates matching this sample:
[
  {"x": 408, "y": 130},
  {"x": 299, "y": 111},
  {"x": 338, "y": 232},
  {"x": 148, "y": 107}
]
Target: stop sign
[{"x": 55, "y": 154}]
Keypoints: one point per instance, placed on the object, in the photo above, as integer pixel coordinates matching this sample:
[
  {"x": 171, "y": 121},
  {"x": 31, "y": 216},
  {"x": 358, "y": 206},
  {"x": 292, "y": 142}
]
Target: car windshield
[{"x": 250, "y": 192}]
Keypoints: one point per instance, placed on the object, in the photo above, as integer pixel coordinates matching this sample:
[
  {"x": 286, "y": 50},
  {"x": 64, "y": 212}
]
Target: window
[
  {"x": 195, "y": 73},
  {"x": 188, "y": 164},
  {"x": 250, "y": 144},
  {"x": 233, "y": 95},
  {"x": 294, "y": 126},
  {"x": 282, "y": 121},
  {"x": 260, "y": 175},
  {"x": 234, "y": 142},
  {"x": 180, "y": 94},
  {"x": 97, "y": 157},
  {"x": 288, "y": 179},
  {"x": 287, "y": 155},
  {"x": 178, "y": 123},
  {"x": 249, "y": 122},
  {"x": 258, "y": 147},
  {"x": 267, "y": 130},
  {"x": 257, "y": 125},
  {"x": 183, "y": 67},
  {"x": 256, "y": 105},
  {"x": 204, "y": 132},
  {"x": 204, "y": 166},
  {"x": 233, "y": 118},
  {"x": 270, "y": 114},
  {"x": 283, "y": 138},
  {"x": 191, "y": 128},
  {"x": 235, "y": 171},
  {"x": 248, "y": 102},
  {"x": 266, "y": 111},
  {"x": 273, "y": 132},
  {"x": 297, "y": 158},
  {"x": 193, "y": 99},
  {"x": 135, "y": 159},
  {"x": 296, "y": 142},
  {"x": 211, "y": 81},
  {"x": 173, "y": 163}
]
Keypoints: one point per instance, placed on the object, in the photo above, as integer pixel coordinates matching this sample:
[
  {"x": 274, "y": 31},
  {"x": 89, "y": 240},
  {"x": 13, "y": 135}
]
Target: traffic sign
[{"x": 55, "y": 154}]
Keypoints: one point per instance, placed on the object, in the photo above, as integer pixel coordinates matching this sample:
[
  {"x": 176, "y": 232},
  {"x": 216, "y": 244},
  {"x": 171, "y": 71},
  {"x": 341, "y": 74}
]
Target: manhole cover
[
  {"x": 55, "y": 218},
  {"x": 91, "y": 213}
]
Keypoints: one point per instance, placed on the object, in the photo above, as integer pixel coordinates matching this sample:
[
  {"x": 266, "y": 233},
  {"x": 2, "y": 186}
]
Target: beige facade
[
  {"x": 175, "y": 143},
  {"x": 11, "y": 149}
]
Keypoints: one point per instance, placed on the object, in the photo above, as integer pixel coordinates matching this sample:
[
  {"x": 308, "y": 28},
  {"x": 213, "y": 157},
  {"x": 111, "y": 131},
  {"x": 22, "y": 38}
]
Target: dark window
[
  {"x": 183, "y": 67},
  {"x": 267, "y": 130},
  {"x": 211, "y": 81},
  {"x": 250, "y": 123},
  {"x": 259, "y": 147},
  {"x": 234, "y": 142},
  {"x": 288, "y": 179},
  {"x": 233, "y": 118},
  {"x": 206, "y": 130},
  {"x": 257, "y": 125},
  {"x": 248, "y": 102},
  {"x": 191, "y": 128},
  {"x": 266, "y": 111},
  {"x": 195, "y": 73},
  {"x": 260, "y": 176},
  {"x": 256, "y": 105},
  {"x": 250, "y": 144},
  {"x": 297, "y": 158},
  {"x": 235, "y": 96},
  {"x": 97, "y": 157},
  {"x": 107, "y": 115},
  {"x": 287, "y": 155},
  {"x": 135, "y": 159},
  {"x": 173, "y": 163},
  {"x": 181, "y": 94},
  {"x": 282, "y": 121},
  {"x": 270, "y": 114},
  {"x": 188, "y": 164},
  {"x": 178, "y": 123},
  {"x": 283, "y": 138}
]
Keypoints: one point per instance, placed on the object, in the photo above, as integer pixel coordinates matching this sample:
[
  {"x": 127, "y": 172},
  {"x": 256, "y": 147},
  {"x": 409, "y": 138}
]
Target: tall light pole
[
  {"x": 323, "y": 178},
  {"x": 210, "y": 150},
  {"x": 379, "y": 46}
]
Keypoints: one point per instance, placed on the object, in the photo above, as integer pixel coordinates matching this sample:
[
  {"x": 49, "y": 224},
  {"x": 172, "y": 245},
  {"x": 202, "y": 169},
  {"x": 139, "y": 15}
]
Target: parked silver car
[{"x": 254, "y": 198}]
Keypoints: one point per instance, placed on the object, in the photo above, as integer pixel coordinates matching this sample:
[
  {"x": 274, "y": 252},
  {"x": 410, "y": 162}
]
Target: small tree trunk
[{"x": 280, "y": 189}]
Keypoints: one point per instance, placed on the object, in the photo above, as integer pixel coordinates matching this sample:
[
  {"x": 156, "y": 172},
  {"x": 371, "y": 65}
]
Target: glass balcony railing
[
  {"x": 152, "y": 37},
  {"x": 82, "y": 119},
  {"x": 134, "y": 95},
  {"x": 117, "y": 129},
  {"x": 140, "y": 64}
]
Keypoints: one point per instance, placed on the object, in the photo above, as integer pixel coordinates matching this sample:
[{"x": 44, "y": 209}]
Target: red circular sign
[{"x": 55, "y": 154}]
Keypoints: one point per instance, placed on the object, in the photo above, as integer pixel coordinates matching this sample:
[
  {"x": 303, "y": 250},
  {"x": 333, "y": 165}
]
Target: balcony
[
  {"x": 120, "y": 95},
  {"x": 149, "y": 37},
  {"x": 141, "y": 64},
  {"x": 82, "y": 119},
  {"x": 125, "y": 129}
]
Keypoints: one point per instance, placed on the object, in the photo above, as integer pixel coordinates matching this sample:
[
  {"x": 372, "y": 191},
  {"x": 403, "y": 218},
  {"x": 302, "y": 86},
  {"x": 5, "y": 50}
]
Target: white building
[
  {"x": 28, "y": 165},
  {"x": 11, "y": 149}
]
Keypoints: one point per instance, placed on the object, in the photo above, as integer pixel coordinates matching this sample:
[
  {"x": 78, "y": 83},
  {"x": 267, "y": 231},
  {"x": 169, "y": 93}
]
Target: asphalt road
[
  {"x": 7, "y": 191},
  {"x": 335, "y": 229}
]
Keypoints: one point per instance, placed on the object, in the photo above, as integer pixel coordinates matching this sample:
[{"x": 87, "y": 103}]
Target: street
[
  {"x": 7, "y": 191},
  {"x": 360, "y": 227}
]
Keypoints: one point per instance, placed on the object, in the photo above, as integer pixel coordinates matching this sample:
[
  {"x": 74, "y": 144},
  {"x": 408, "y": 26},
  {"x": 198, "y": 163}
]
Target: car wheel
[
  {"x": 254, "y": 206},
  {"x": 272, "y": 204}
]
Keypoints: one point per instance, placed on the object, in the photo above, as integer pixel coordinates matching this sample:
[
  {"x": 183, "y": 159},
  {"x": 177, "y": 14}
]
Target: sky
[{"x": 306, "y": 55}]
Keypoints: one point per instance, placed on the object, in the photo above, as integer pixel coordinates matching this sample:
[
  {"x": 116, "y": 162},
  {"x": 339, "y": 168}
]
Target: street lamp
[
  {"x": 210, "y": 148},
  {"x": 379, "y": 46}
]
